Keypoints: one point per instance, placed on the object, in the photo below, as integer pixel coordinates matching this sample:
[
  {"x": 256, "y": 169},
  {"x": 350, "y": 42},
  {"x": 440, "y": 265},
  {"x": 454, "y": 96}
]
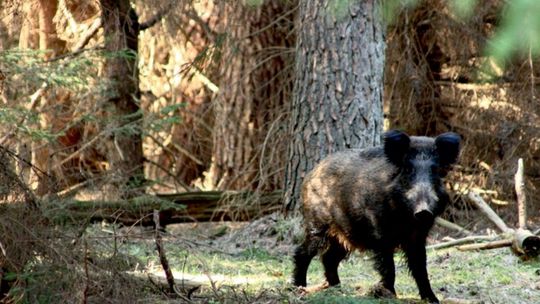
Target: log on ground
[{"x": 173, "y": 208}]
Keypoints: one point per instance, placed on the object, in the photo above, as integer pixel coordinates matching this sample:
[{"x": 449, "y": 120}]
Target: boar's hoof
[
  {"x": 379, "y": 291},
  {"x": 316, "y": 288}
]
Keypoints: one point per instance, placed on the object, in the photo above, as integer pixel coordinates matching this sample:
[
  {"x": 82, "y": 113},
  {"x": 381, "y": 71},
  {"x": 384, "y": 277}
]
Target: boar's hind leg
[
  {"x": 302, "y": 258},
  {"x": 416, "y": 260},
  {"x": 331, "y": 259},
  {"x": 384, "y": 264}
]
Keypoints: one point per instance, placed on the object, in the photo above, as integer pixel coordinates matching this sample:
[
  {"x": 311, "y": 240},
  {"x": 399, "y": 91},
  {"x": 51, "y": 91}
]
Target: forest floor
[{"x": 251, "y": 263}]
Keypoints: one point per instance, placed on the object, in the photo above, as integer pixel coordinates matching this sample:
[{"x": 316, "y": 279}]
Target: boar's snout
[
  {"x": 422, "y": 198},
  {"x": 422, "y": 213}
]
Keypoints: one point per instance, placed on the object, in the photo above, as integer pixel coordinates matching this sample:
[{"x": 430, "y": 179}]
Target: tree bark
[
  {"x": 337, "y": 97},
  {"x": 253, "y": 90},
  {"x": 39, "y": 32},
  {"x": 124, "y": 148}
]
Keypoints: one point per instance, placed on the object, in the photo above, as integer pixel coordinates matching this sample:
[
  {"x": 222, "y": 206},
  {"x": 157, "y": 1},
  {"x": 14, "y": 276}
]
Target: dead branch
[
  {"x": 465, "y": 240},
  {"x": 161, "y": 252},
  {"x": 447, "y": 224},
  {"x": 491, "y": 215},
  {"x": 489, "y": 245},
  {"x": 91, "y": 32},
  {"x": 520, "y": 193},
  {"x": 526, "y": 243},
  {"x": 173, "y": 208},
  {"x": 523, "y": 242}
]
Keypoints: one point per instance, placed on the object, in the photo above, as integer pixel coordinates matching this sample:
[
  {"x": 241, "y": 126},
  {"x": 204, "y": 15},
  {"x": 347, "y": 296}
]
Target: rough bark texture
[
  {"x": 39, "y": 32},
  {"x": 337, "y": 101},
  {"x": 124, "y": 148},
  {"x": 253, "y": 88}
]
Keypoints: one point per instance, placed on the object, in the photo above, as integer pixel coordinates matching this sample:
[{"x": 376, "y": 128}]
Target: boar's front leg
[
  {"x": 384, "y": 264},
  {"x": 416, "y": 260}
]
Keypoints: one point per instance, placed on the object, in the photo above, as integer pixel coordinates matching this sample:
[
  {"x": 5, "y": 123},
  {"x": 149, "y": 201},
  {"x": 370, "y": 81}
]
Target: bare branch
[
  {"x": 521, "y": 197},
  {"x": 490, "y": 245},
  {"x": 157, "y": 17},
  {"x": 484, "y": 207},
  {"x": 447, "y": 224}
]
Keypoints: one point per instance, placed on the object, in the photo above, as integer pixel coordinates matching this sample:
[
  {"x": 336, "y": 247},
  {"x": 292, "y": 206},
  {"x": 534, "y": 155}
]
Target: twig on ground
[{"x": 161, "y": 252}]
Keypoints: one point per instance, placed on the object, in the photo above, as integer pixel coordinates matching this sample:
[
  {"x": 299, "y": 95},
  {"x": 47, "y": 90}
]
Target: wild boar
[{"x": 378, "y": 199}]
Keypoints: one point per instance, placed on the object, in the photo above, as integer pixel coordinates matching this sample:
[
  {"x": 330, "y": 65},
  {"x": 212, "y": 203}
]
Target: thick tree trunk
[
  {"x": 124, "y": 148},
  {"x": 337, "y": 101},
  {"x": 39, "y": 32},
  {"x": 253, "y": 90}
]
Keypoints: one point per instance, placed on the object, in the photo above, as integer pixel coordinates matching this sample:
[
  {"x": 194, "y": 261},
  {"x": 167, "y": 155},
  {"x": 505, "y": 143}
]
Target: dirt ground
[{"x": 250, "y": 263}]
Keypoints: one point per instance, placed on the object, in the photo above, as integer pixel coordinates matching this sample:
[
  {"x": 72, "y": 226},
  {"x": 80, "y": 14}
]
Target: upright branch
[
  {"x": 521, "y": 197},
  {"x": 161, "y": 251}
]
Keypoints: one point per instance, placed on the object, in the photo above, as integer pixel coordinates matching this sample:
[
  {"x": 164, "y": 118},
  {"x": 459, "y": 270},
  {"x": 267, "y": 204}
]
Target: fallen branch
[
  {"x": 523, "y": 242},
  {"x": 489, "y": 245},
  {"x": 491, "y": 215},
  {"x": 447, "y": 224},
  {"x": 173, "y": 208},
  {"x": 465, "y": 240}
]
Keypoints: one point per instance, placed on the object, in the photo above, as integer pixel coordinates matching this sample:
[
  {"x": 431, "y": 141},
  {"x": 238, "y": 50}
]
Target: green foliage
[
  {"x": 391, "y": 8},
  {"x": 462, "y": 8},
  {"x": 27, "y": 69},
  {"x": 254, "y": 2},
  {"x": 27, "y": 73},
  {"x": 167, "y": 117},
  {"x": 519, "y": 32}
]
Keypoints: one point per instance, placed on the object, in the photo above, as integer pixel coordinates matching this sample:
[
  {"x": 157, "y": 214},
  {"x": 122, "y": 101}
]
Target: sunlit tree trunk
[
  {"x": 39, "y": 32},
  {"x": 124, "y": 147},
  {"x": 337, "y": 97},
  {"x": 254, "y": 88}
]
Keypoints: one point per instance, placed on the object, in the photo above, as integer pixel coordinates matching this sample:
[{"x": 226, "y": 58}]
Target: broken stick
[
  {"x": 484, "y": 207},
  {"x": 520, "y": 193}
]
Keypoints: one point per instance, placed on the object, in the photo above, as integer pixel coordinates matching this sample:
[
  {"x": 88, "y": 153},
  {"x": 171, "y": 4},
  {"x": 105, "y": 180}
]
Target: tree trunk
[
  {"x": 253, "y": 90},
  {"x": 39, "y": 32},
  {"x": 124, "y": 148},
  {"x": 337, "y": 98}
]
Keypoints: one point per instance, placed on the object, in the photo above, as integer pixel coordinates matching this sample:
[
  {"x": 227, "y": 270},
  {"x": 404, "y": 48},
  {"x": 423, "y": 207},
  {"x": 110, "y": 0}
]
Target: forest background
[{"x": 172, "y": 97}]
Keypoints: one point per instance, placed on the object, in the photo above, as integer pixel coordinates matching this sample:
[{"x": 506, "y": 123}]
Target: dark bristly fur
[{"x": 377, "y": 199}]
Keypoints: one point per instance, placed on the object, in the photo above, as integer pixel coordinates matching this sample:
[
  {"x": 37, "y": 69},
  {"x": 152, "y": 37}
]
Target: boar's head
[{"x": 421, "y": 164}]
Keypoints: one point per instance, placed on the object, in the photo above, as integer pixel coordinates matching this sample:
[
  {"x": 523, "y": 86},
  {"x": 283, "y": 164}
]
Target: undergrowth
[{"x": 250, "y": 263}]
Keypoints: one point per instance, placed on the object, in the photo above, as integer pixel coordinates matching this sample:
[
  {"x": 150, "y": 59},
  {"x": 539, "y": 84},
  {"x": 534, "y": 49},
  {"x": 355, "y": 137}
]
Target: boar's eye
[
  {"x": 396, "y": 146},
  {"x": 448, "y": 148}
]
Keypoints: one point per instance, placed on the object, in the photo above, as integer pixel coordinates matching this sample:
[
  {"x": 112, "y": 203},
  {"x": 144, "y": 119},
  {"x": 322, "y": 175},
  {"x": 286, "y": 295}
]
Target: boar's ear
[
  {"x": 448, "y": 148},
  {"x": 396, "y": 145}
]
